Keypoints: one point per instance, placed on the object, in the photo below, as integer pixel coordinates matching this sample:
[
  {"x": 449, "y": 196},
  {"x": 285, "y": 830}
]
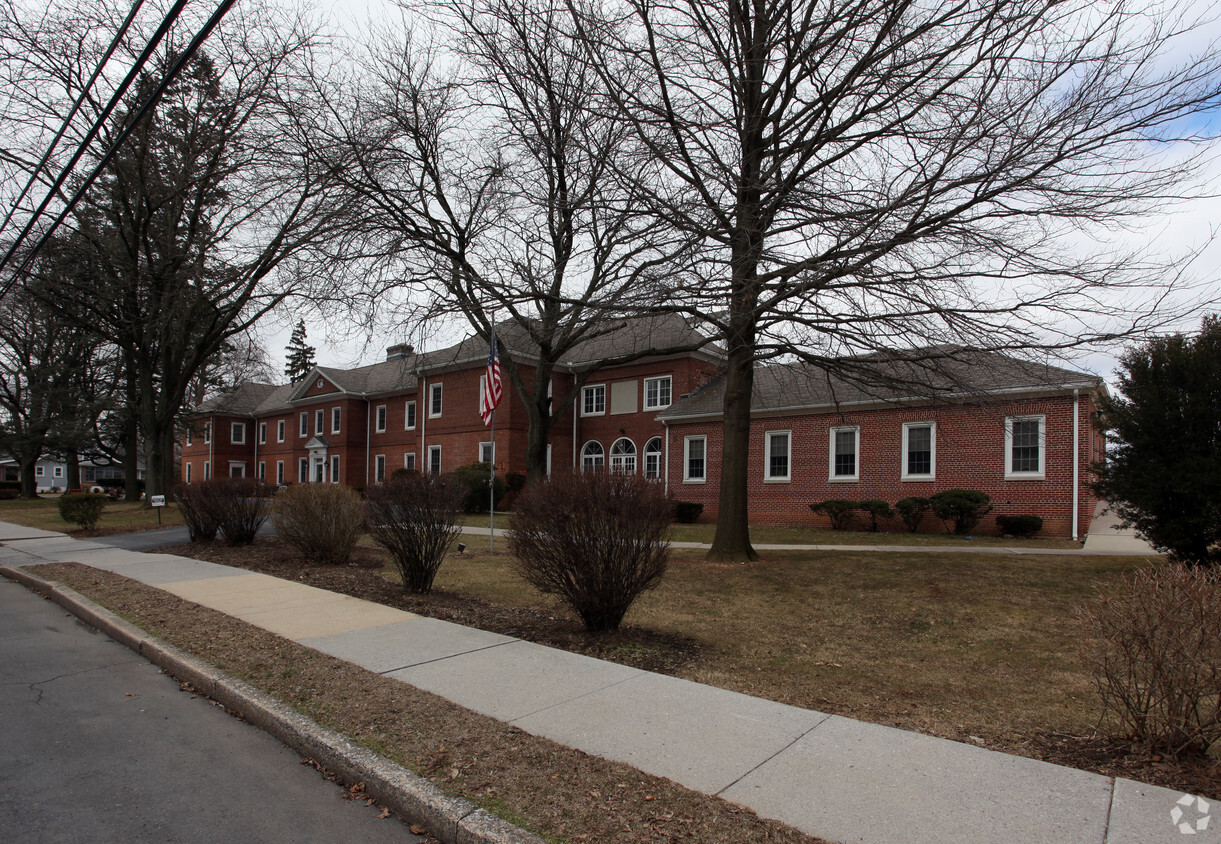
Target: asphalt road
[
  {"x": 146, "y": 540},
  {"x": 97, "y": 745}
]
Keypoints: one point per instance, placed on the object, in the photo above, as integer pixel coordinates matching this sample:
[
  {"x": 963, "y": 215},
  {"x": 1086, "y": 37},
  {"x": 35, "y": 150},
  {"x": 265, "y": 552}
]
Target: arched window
[
  {"x": 652, "y": 458},
  {"x": 623, "y": 457},
  {"x": 593, "y": 458}
]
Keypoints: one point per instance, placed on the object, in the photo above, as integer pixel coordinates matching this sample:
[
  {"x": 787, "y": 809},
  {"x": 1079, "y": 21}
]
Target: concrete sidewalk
[{"x": 833, "y": 777}]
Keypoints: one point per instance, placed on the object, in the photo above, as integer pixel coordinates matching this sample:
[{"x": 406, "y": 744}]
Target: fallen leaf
[{"x": 416, "y": 829}]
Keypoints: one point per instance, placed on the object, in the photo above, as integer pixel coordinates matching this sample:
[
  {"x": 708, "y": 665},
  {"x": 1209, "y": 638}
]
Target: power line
[{"x": 114, "y": 44}]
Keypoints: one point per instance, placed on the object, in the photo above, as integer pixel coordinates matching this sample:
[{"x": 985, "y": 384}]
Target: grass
[
  {"x": 118, "y": 517},
  {"x": 761, "y": 535},
  {"x": 955, "y": 645}
]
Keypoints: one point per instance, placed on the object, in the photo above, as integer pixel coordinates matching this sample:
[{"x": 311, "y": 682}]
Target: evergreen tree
[
  {"x": 300, "y": 355},
  {"x": 1163, "y": 472}
]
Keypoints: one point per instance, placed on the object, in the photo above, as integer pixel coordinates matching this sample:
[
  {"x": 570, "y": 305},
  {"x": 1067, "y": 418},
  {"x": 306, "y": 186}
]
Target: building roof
[{"x": 941, "y": 373}]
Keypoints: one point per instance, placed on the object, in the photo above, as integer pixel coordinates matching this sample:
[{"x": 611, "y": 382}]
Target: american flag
[{"x": 492, "y": 391}]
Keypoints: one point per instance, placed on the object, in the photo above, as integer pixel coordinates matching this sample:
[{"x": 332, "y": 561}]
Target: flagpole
[{"x": 492, "y": 489}]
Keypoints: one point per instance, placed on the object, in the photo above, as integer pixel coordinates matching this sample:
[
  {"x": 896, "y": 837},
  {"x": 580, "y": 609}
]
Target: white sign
[{"x": 157, "y": 501}]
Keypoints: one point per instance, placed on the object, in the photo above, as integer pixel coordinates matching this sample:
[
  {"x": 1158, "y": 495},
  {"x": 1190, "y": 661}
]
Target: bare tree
[
  {"x": 486, "y": 175},
  {"x": 202, "y": 222},
  {"x": 874, "y": 175}
]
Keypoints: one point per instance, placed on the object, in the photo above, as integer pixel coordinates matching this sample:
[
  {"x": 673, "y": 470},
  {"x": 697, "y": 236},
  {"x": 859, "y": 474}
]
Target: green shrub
[
  {"x": 473, "y": 479},
  {"x": 838, "y": 510},
  {"x": 1020, "y": 525},
  {"x": 415, "y": 519},
  {"x": 1154, "y": 654},
  {"x": 876, "y": 509},
  {"x": 687, "y": 512},
  {"x": 82, "y": 509},
  {"x": 596, "y": 540},
  {"x": 963, "y": 507},
  {"x": 912, "y": 511},
  {"x": 322, "y": 521},
  {"x": 9, "y": 494}
]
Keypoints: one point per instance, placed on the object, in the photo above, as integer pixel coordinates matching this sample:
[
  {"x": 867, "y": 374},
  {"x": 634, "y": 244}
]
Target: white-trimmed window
[
  {"x": 188, "y": 440},
  {"x": 919, "y": 451},
  {"x": 236, "y": 469},
  {"x": 434, "y": 460},
  {"x": 302, "y": 470},
  {"x": 187, "y": 472},
  {"x": 280, "y": 473},
  {"x": 58, "y": 471},
  {"x": 409, "y": 416},
  {"x": 593, "y": 400},
  {"x": 334, "y": 468},
  {"x": 207, "y": 470},
  {"x": 1025, "y": 445},
  {"x": 319, "y": 421},
  {"x": 409, "y": 461},
  {"x": 593, "y": 456},
  {"x": 237, "y": 433},
  {"x": 777, "y": 462},
  {"x": 336, "y": 417},
  {"x": 652, "y": 458},
  {"x": 280, "y": 431},
  {"x": 379, "y": 469},
  {"x": 845, "y": 457},
  {"x": 262, "y": 471},
  {"x": 207, "y": 432},
  {"x": 262, "y": 432},
  {"x": 304, "y": 424},
  {"x": 657, "y": 393},
  {"x": 39, "y": 471},
  {"x": 380, "y": 425},
  {"x": 623, "y": 456},
  {"x": 695, "y": 459},
  {"x": 434, "y": 400},
  {"x": 487, "y": 452}
]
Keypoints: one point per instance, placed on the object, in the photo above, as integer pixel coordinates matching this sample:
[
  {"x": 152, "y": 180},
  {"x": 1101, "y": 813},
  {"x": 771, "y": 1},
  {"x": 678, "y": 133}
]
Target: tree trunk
[
  {"x": 29, "y": 484},
  {"x": 72, "y": 474},
  {"x": 732, "y": 540},
  {"x": 131, "y": 460}
]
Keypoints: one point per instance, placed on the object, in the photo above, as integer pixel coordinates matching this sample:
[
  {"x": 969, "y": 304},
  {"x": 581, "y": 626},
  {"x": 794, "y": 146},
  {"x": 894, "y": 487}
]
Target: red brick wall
[{"x": 970, "y": 454}]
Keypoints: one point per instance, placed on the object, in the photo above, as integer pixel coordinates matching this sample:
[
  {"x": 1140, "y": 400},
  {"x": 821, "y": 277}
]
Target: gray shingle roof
[{"x": 931, "y": 374}]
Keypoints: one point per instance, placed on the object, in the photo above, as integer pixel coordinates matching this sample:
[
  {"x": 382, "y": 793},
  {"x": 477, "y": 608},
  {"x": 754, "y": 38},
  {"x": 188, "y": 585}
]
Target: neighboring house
[
  {"x": 1019, "y": 432},
  {"x": 50, "y": 473}
]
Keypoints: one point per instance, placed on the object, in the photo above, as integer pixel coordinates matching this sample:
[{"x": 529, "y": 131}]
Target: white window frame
[
  {"x": 688, "y": 440},
  {"x": 655, "y": 473},
  {"x": 634, "y": 456},
  {"x": 1040, "y": 474},
  {"x": 207, "y": 432},
  {"x": 334, "y": 468},
  {"x": 302, "y": 470},
  {"x": 489, "y": 448},
  {"x": 237, "y": 433},
  {"x": 379, "y": 419},
  {"x": 931, "y": 475},
  {"x": 280, "y": 430},
  {"x": 319, "y": 422},
  {"x": 39, "y": 471},
  {"x": 768, "y": 437},
  {"x": 188, "y": 439},
  {"x": 207, "y": 470},
  {"x": 593, "y": 390},
  {"x": 436, "y": 396},
  {"x": 336, "y": 418},
  {"x": 279, "y": 473},
  {"x": 658, "y": 405},
  {"x": 434, "y": 450},
  {"x": 262, "y": 471},
  {"x": 409, "y": 412},
  {"x": 856, "y": 464},
  {"x": 304, "y": 429},
  {"x": 379, "y": 469},
  {"x": 409, "y": 460},
  {"x": 57, "y": 471},
  {"x": 590, "y": 461},
  {"x": 262, "y": 433},
  {"x": 187, "y": 472}
]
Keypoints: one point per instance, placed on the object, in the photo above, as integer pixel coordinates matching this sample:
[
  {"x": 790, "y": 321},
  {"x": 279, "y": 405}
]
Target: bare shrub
[
  {"x": 322, "y": 521},
  {"x": 197, "y": 511},
  {"x": 415, "y": 519},
  {"x": 242, "y": 506},
  {"x": 1154, "y": 653},
  {"x": 596, "y": 540}
]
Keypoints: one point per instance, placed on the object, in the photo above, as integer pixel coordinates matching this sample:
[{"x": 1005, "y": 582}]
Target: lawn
[
  {"x": 957, "y": 645},
  {"x": 118, "y": 517}
]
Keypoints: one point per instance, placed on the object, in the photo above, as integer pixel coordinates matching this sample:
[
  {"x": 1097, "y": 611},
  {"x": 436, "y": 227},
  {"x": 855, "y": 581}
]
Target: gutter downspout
[
  {"x": 574, "y": 436},
  {"x": 254, "y": 434},
  {"x": 1076, "y": 469},
  {"x": 211, "y": 473},
  {"x": 666, "y": 456},
  {"x": 368, "y": 436},
  {"x": 424, "y": 405}
]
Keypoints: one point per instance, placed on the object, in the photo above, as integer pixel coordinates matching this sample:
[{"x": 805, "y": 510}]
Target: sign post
[{"x": 157, "y": 502}]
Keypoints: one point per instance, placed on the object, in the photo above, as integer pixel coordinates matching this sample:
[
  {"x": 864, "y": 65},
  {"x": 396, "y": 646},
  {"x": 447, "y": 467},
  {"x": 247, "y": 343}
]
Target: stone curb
[{"x": 451, "y": 819}]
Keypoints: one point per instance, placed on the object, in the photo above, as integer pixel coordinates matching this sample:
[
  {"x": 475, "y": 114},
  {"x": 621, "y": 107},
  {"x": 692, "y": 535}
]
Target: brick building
[{"x": 896, "y": 428}]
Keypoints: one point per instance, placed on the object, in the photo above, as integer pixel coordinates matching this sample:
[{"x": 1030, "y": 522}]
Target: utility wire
[{"x": 114, "y": 44}]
